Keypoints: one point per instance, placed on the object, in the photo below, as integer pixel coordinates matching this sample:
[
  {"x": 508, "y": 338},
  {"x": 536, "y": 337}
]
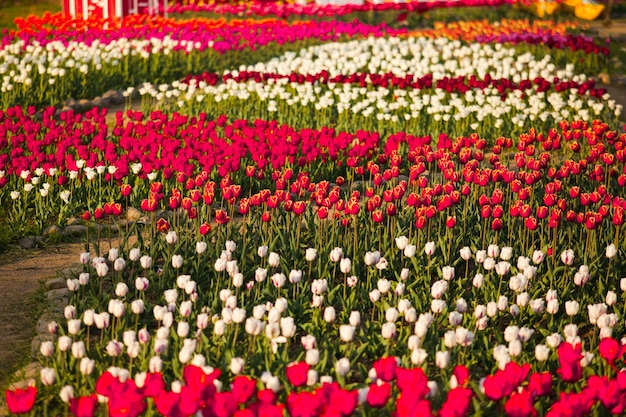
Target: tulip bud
[
  {"x": 73, "y": 326},
  {"x": 48, "y": 376},
  {"x": 146, "y": 262},
  {"x": 342, "y": 367},
  {"x": 46, "y": 348},
  {"x": 64, "y": 343},
  {"x": 554, "y": 340},
  {"x": 310, "y": 254},
  {"x": 611, "y": 298},
  {"x": 552, "y": 307},
  {"x": 447, "y": 272},
  {"x": 69, "y": 312},
  {"x": 219, "y": 327},
  {"x": 567, "y": 257},
  {"x": 295, "y": 276},
  {"x": 410, "y": 251},
  {"x": 437, "y": 306},
  {"x": 87, "y": 366},
  {"x": 383, "y": 285},
  {"x": 66, "y": 393},
  {"x": 177, "y": 261},
  {"x": 155, "y": 365},
  {"x": 78, "y": 349},
  {"x": 538, "y": 256},
  {"x": 83, "y": 278},
  {"x": 515, "y": 348},
  {"x": 73, "y": 285},
  {"x": 442, "y": 359},
  {"x": 121, "y": 289},
  {"x": 236, "y": 365},
  {"x": 345, "y": 265},
  {"x": 404, "y": 274},
  {"x": 449, "y": 339},
  {"x": 134, "y": 254},
  {"x": 260, "y": 274},
  {"x": 402, "y": 242},
  {"x": 511, "y": 333},
  {"x": 329, "y": 314},
  {"x": 201, "y": 247},
  {"x": 336, "y": 254},
  {"x": 346, "y": 332},
  {"x": 418, "y": 356},
  {"x": 478, "y": 281},
  {"x": 374, "y": 295},
  {"x": 611, "y": 251},
  {"x": 273, "y": 259},
  {"x": 312, "y": 357}
]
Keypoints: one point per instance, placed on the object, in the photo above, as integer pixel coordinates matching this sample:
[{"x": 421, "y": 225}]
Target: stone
[
  {"x": 55, "y": 283},
  {"x": 75, "y": 229},
  {"x": 52, "y": 230},
  {"x": 70, "y": 102},
  {"x": 56, "y": 294},
  {"x": 604, "y": 78},
  {"x": 74, "y": 221},
  {"x": 70, "y": 273},
  {"x": 27, "y": 242},
  {"x": 42, "y": 325},
  {"x": 132, "y": 214},
  {"x": 115, "y": 97},
  {"x": 101, "y": 102},
  {"x": 27, "y": 375}
]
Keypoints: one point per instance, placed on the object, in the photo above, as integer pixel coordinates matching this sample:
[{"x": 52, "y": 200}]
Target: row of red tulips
[{"x": 404, "y": 391}]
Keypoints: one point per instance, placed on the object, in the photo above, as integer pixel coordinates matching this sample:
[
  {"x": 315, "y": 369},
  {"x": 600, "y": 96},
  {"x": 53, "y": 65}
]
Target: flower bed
[
  {"x": 264, "y": 265},
  {"x": 401, "y": 223}
]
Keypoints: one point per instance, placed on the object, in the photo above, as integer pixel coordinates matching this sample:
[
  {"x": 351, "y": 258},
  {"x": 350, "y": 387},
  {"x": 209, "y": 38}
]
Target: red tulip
[
  {"x": 377, "y": 216},
  {"x": 21, "y": 401},
  {"x": 531, "y": 223},
  {"x": 569, "y": 359},
  {"x": 378, "y": 394},
  {"x": 204, "y": 228},
  {"x": 451, "y": 222},
  {"x": 126, "y": 190},
  {"x": 386, "y": 368},
  {"x": 243, "y": 389},
  {"x": 496, "y": 224},
  {"x": 520, "y": 405},
  {"x": 297, "y": 373},
  {"x": 84, "y": 406},
  {"x": 221, "y": 217},
  {"x": 304, "y": 404},
  {"x": 99, "y": 213},
  {"x": 610, "y": 349},
  {"x": 322, "y": 212},
  {"x": 163, "y": 225}
]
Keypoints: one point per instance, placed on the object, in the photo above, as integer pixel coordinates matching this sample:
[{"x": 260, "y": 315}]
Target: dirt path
[{"x": 20, "y": 280}]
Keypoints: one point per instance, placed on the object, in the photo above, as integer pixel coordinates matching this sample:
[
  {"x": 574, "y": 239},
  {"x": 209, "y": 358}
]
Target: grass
[{"x": 10, "y": 9}]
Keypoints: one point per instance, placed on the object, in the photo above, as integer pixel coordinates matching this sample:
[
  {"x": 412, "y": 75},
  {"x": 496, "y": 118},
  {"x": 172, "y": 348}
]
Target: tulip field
[{"x": 337, "y": 217}]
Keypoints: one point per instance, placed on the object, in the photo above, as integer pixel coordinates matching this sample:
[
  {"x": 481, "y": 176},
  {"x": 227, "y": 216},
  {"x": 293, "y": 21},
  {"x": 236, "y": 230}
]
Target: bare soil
[{"x": 21, "y": 279}]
